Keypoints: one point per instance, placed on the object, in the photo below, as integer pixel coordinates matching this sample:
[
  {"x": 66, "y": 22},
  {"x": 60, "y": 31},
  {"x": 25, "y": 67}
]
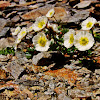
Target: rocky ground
[{"x": 47, "y": 75}]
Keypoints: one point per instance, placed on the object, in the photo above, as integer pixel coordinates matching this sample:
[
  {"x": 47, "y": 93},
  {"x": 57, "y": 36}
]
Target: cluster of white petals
[
  {"x": 50, "y": 13},
  {"x": 88, "y": 23},
  {"x": 83, "y": 40},
  {"x": 31, "y": 28},
  {"x": 40, "y": 42},
  {"x": 69, "y": 38},
  {"x": 17, "y": 30},
  {"x": 40, "y": 23},
  {"x": 54, "y": 27},
  {"x": 20, "y": 36}
]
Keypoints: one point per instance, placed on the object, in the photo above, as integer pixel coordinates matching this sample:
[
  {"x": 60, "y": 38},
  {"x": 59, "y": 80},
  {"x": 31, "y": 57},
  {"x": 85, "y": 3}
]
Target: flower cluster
[
  {"x": 82, "y": 39},
  {"x": 21, "y": 33}
]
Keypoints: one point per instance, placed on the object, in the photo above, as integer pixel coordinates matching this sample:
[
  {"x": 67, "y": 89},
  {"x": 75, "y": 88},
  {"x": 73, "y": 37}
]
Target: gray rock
[
  {"x": 3, "y": 58},
  {"x": 39, "y": 56},
  {"x": 63, "y": 97},
  {"x": 73, "y": 2},
  {"x": 15, "y": 69},
  {"x": 83, "y": 4},
  {"x": 47, "y": 58},
  {"x": 3, "y": 22},
  {"x": 4, "y": 31},
  {"x": 79, "y": 15},
  {"x": 97, "y": 71},
  {"x": 15, "y": 18},
  {"x": 79, "y": 93},
  {"x": 6, "y": 42}
]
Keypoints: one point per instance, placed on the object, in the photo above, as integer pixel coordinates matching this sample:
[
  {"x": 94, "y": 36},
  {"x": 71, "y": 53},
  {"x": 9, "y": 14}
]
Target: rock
[
  {"x": 15, "y": 69},
  {"x": 47, "y": 58},
  {"x": 49, "y": 92},
  {"x": 4, "y": 31},
  {"x": 41, "y": 0},
  {"x": 96, "y": 14},
  {"x": 3, "y": 74},
  {"x": 63, "y": 97},
  {"x": 3, "y": 58},
  {"x": 39, "y": 56},
  {"x": 97, "y": 71},
  {"x": 83, "y": 4},
  {"x": 63, "y": 73},
  {"x": 16, "y": 1},
  {"x": 73, "y": 2},
  {"x": 15, "y": 18},
  {"x": 45, "y": 97},
  {"x": 60, "y": 13},
  {"x": 79, "y": 93},
  {"x": 51, "y": 2},
  {"x": 59, "y": 90},
  {"x": 3, "y": 22},
  {"x": 79, "y": 15},
  {"x": 11, "y": 14},
  {"x": 51, "y": 85},
  {"x": 36, "y": 13},
  {"x": 83, "y": 71},
  {"x": 4, "y": 4},
  {"x": 22, "y": 1},
  {"x": 6, "y": 42},
  {"x": 36, "y": 6}
]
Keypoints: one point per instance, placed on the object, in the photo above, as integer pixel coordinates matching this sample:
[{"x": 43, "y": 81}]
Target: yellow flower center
[
  {"x": 40, "y": 24},
  {"x": 42, "y": 41},
  {"x": 83, "y": 41},
  {"x": 51, "y": 13},
  {"x": 71, "y": 39},
  {"x": 30, "y": 27},
  {"x": 16, "y": 30},
  {"x": 89, "y": 24},
  {"x": 23, "y": 32}
]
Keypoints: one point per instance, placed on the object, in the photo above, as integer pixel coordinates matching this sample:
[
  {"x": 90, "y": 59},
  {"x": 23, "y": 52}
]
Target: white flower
[
  {"x": 40, "y": 42},
  {"x": 22, "y": 33},
  {"x": 20, "y": 36},
  {"x": 88, "y": 23},
  {"x": 31, "y": 28},
  {"x": 40, "y": 23},
  {"x": 69, "y": 38},
  {"x": 18, "y": 40},
  {"x": 83, "y": 40},
  {"x": 50, "y": 13},
  {"x": 54, "y": 27},
  {"x": 17, "y": 30}
]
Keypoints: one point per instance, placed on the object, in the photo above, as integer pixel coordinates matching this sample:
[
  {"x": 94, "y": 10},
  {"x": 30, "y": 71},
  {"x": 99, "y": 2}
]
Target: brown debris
[{"x": 3, "y": 74}]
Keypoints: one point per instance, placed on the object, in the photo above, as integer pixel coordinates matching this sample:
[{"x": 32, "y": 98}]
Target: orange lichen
[
  {"x": 64, "y": 73},
  {"x": 2, "y": 74},
  {"x": 59, "y": 90},
  {"x": 4, "y": 4},
  {"x": 98, "y": 59}
]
